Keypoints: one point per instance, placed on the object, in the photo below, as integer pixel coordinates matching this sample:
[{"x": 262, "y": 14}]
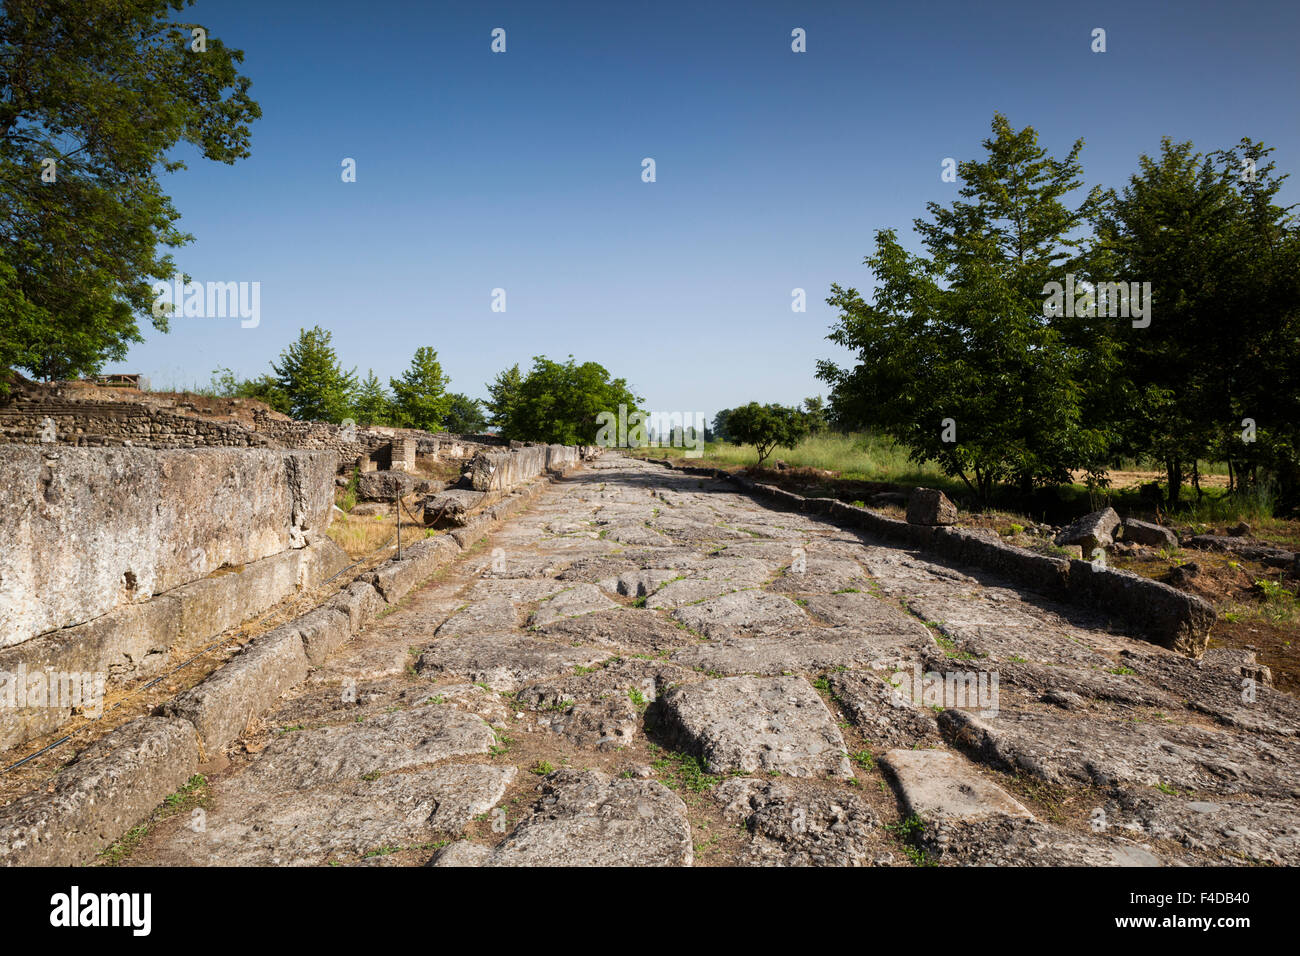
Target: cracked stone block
[
  {"x": 411, "y": 738},
  {"x": 505, "y": 661},
  {"x": 757, "y": 724},
  {"x": 481, "y": 617},
  {"x": 789, "y": 827},
  {"x": 574, "y": 602},
  {"x": 587, "y": 818},
  {"x": 349, "y": 818},
  {"x": 742, "y": 610},
  {"x": 936, "y": 785}
]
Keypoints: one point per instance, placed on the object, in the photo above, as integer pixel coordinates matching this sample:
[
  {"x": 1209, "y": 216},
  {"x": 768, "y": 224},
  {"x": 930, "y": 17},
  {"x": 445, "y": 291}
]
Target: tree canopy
[
  {"x": 312, "y": 379},
  {"x": 95, "y": 95},
  {"x": 557, "y": 403},
  {"x": 767, "y": 427}
]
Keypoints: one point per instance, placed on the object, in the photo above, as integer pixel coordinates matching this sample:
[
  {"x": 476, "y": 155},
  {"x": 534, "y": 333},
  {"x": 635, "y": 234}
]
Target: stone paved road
[{"x": 648, "y": 668}]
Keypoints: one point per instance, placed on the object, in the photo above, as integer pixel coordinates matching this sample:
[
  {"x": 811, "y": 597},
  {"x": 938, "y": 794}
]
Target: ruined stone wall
[
  {"x": 504, "y": 470},
  {"x": 87, "y": 530},
  {"x": 117, "y": 423}
]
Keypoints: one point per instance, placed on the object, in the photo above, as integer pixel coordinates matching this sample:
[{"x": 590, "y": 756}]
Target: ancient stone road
[{"x": 649, "y": 668}]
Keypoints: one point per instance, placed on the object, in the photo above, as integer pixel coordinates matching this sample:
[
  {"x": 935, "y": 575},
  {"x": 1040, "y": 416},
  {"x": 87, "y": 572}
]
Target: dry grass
[{"x": 360, "y": 534}]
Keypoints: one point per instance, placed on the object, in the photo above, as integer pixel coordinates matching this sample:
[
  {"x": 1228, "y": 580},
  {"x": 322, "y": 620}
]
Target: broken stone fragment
[
  {"x": 1151, "y": 535},
  {"x": 1092, "y": 531},
  {"x": 929, "y": 506}
]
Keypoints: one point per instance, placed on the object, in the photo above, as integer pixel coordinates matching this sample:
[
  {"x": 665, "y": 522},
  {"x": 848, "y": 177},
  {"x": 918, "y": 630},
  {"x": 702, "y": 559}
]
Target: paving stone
[
  {"x": 809, "y": 650},
  {"x": 348, "y": 819},
  {"x": 481, "y": 617},
  {"x": 822, "y": 576},
  {"x": 884, "y": 717},
  {"x": 579, "y": 599},
  {"x": 1110, "y": 749},
  {"x": 586, "y": 818},
  {"x": 754, "y": 724},
  {"x": 790, "y": 827},
  {"x": 638, "y": 583},
  {"x": 410, "y": 738},
  {"x": 504, "y": 661},
  {"x": 634, "y": 630},
  {"x": 936, "y": 785},
  {"x": 742, "y": 610}
]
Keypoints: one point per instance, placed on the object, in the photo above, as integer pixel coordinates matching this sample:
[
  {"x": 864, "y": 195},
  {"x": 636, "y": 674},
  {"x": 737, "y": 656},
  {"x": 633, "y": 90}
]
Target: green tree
[
  {"x": 104, "y": 89},
  {"x": 420, "y": 398},
  {"x": 465, "y": 416},
  {"x": 766, "y": 427},
  {"x": 1223, "y": 260},
  {"x": 560, "y": 404},
  {"x": 226, "y": 384},
  {"x": 815, "y": 409},
  {"x": 373, "y": 403},
  {"x": 956, "y": 357},
  {"x": 503, "y": 393},
  {"x": 312, "y": 380},
  {"x": 719, "y": 431}
]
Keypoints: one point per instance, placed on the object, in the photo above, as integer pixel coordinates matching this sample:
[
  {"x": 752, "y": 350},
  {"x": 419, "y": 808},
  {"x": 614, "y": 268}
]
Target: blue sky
[{"x": 522, "y": 170}]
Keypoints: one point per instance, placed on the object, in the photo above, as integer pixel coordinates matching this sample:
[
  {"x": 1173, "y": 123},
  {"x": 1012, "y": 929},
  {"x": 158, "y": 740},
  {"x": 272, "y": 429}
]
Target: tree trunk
[{"x": 1174, "y": 471}]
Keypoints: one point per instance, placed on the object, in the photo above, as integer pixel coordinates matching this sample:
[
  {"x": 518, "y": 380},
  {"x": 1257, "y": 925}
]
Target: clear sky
[{"x": 522, "y": 170}]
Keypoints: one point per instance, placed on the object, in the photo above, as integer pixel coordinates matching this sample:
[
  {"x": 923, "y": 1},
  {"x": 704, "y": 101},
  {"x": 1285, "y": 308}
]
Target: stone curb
[
  {"x": 1160, "y": 613},
  {"x": 120, "y": 779}
]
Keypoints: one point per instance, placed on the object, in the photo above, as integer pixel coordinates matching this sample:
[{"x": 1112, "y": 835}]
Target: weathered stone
[
  {"x": 757, "y": 724},
  {"x": 355, "y": 818},
  {"x": 482, "y": 617},
  {"x": 360, "y": 602},
  {"x": 1095, "y": 530},
  {"x": 1168, "y": 616},
  {"x": 929, "y": 506},
  {"x": 88, "y": 530},
  {"x": 884, "y": 716},
  {"x": 632, "y": 629},
  {"x": 1151, "y": 535},
  {"x": 810, "y": 650},
  {"x": 221, "y": 706},
  {"x": 397, "y": 741},
  {"x": 741, "y": 610},
  {"x": 110, "y": 788},
  {"x": 384, "y": 485},
  {"x": 789, "y": 827},
  {"x": 585, "y": 818},
  {"x": 323, "y": 631},
  {"x": 573, "y": 602},
  {"x": 934, "y": 785},
  {"x": 504, "y": 661}
]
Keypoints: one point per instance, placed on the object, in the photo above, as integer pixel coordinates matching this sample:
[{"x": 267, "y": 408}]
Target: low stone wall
[
  {"x": 88, "y": 530},
  {"x": 1158, "y": 612}
]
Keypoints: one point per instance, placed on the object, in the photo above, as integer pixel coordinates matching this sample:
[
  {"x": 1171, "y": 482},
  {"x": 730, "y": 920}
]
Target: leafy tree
[
  {"x": 265, "y": 389},
  {"x": 226, "y": 384},
  {"x": 560, "y": 403},
  {"x": 465, "y": 416},
  {"x": 766, "y": 427},
  {"x": 957, "y": 341},
  {"x": 815, "y": 409},
  {"x": 420, "y": 398},
  {"x": 313, "y": 381},
  {"x": 373, "y": 403},
  {"x": 719, "y": 431},
  {"x": 105, "y": 89},
  {"x": 503, "y": 393},
  {"x": 1223, "y": 260}
]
